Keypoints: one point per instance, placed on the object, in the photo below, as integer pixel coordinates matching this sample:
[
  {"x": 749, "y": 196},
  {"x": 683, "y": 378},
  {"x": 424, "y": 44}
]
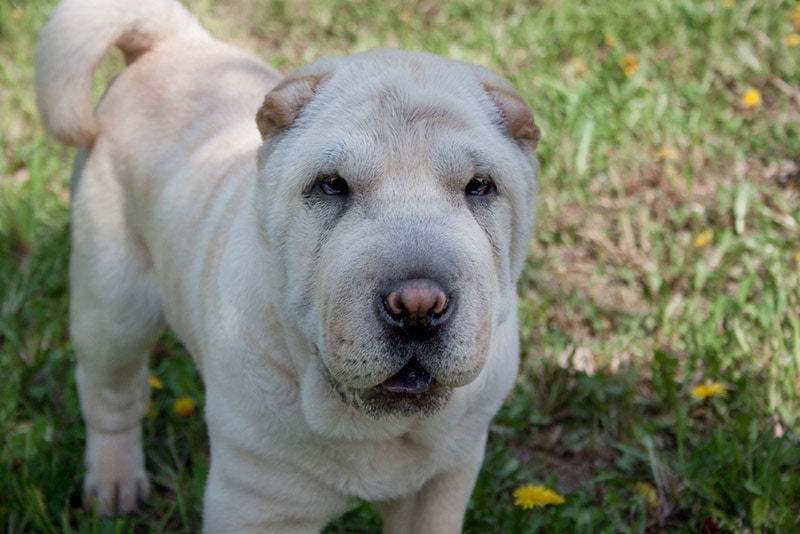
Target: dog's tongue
[{"x": 413, "y": 379}]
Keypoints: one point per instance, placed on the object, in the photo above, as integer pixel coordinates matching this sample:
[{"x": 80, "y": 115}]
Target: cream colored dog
[{"x": 339, "y": 257}]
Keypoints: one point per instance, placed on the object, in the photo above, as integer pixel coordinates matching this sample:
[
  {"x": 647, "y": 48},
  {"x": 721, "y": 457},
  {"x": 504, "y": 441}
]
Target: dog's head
[{"x": 396, "y": 191}]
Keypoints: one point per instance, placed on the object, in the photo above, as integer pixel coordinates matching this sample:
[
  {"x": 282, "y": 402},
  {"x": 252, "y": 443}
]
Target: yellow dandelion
[
  {"x": 794, "y": 15},
  {"x": 793, "y": 39},
  {"x": 751, "y": 98},
  {"x": 183, "y": 406},
  {"x": 727, "y": 4},
  {"x": 703, "y": 238},
  {"x": 796, "y": 256},
  {"x": 649, "y": 493},
  {"x": 578, "y": 67},
  {"x": 709, "y": 389},
  {"x": 611, "y": 42},
  {"x": 17, "y": 13},
  {"x": 665, "y": 153},
  {"x": 629, "y": 65},
  {"x": 529, "y": 496},
  {"x": 156, "y": 383},
  {"x": 151, "y": 412}
]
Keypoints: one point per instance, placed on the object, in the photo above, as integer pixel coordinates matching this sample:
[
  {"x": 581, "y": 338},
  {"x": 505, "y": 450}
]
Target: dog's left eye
[
  {"x": 332, "y": 185},
  {"x": 480, "y": 186}
]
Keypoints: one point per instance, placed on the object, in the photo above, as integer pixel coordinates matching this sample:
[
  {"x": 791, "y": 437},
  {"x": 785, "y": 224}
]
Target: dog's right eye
[
  {"x": 332, "y": 185},
  {"x": 480, "y": 186}
]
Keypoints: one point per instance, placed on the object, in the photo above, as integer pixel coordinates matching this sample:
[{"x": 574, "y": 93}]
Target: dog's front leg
[
  {"x": 115, "y": 318},
  {"x": 438, "y": 508}
]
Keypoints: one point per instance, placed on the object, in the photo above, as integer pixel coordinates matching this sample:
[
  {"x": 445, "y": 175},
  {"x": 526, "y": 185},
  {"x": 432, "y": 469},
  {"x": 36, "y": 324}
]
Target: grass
[{"x": 667, "y": 255}]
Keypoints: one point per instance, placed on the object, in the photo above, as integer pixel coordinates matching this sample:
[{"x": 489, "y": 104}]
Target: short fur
[{"x": 189, "y": 213}]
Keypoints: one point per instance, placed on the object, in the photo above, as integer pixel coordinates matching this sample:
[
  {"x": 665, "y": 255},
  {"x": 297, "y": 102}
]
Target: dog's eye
[
  {"x": 480, "y": 186},
  {"x": 332, "y": 185}
]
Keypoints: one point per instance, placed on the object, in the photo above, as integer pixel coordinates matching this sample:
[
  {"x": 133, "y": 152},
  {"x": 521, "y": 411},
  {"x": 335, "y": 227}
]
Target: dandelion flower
[
  {"x": 18, "y": 13},
  {"x": 629, "y": 65},
  {"x": 727, "y": 4},
  {"x": 794, "y": 15},
  {"x": 649, "y": 493},
  {"x": 793, "y": 39},
  {"x": 156, "y": 382},
  {"x": 703, "y": 239},
  {"x": 709, "y": 389},
  {"x": 529, "y": 496},
  {"x": 611, "y": 42},
  {"x": 796, "y": 256},
  {"x": 665, "y": 153},
  {"x": 578, "y": 67},
  {"x": 751, "y": 98},
  {"x": 184, "y": 406}
]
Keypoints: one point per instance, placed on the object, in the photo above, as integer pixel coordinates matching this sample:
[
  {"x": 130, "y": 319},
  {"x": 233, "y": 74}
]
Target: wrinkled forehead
[
  {"x": 389, "y": 123},
  {"x": 402, "y": 90},
  {"x": 394, "y": 112}
]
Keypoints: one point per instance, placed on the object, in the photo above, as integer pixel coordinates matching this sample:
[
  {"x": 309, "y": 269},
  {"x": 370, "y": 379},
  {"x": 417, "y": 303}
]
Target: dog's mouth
[
  {"x": 412, "y": 379},
  {"x": 411, "y": 392}
]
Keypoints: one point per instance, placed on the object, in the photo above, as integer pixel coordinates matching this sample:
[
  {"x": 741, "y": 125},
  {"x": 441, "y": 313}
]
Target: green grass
[{"x": 622, "y": 314}]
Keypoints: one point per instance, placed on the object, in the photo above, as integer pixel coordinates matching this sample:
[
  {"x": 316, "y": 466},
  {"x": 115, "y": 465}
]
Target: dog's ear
[
  {"x": 286, "y": 101},
  {"x": 517, "y": 117}
]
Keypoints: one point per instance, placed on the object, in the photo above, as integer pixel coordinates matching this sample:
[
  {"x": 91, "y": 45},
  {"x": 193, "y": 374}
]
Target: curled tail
[{"x": 74, "y": 41}]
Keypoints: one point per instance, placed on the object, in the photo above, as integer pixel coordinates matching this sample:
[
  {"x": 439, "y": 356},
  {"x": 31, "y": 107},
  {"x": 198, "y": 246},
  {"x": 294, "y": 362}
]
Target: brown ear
[
  {"x": 517, "y": 116},
  {"x": 286, "y": 101}
]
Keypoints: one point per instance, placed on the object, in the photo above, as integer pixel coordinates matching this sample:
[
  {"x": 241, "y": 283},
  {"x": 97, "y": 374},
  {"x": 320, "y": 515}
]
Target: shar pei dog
[{"x": 338, "y": 249}]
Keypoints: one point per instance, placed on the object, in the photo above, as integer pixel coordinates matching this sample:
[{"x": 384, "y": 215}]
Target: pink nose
[{"x": 416, "y": 304}]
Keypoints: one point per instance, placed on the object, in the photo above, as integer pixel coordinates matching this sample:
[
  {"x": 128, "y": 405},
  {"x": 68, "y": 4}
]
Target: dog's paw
[
  {"x": 116, "y": 482},
  {"x": 114, "y": 498}
]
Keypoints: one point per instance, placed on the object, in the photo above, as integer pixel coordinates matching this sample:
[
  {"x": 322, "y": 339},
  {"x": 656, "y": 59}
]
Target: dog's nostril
[{"x": 416, "y": 303}]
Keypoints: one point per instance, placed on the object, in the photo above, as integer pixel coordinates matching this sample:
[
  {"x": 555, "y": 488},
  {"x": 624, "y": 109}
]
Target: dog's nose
[{"x": 416, "y": 306}]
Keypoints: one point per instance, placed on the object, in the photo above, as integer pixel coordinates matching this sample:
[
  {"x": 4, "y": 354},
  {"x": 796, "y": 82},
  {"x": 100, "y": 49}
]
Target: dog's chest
[{"x": 383, "y": 470}]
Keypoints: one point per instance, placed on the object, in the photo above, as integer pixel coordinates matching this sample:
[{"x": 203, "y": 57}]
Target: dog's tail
[{"x": 76, "y": 38}]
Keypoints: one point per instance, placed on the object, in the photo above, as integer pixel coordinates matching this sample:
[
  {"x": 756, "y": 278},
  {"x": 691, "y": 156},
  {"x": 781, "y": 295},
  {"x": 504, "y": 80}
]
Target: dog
[{"x": 337, "y": 249}]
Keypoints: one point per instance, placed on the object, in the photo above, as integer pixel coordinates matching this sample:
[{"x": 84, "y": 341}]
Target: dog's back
[{"x": 171, "y": 130}]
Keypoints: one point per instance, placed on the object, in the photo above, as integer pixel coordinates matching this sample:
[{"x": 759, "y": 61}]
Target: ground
[{"x": 667, "y": 257}]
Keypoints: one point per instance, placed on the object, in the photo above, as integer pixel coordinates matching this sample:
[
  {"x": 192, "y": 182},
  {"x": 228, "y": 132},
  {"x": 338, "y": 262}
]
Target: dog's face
[{"x": 397, "y": 193}]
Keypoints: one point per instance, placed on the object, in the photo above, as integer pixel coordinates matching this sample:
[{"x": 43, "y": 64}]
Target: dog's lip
[{"x": 412, "y": 379}]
